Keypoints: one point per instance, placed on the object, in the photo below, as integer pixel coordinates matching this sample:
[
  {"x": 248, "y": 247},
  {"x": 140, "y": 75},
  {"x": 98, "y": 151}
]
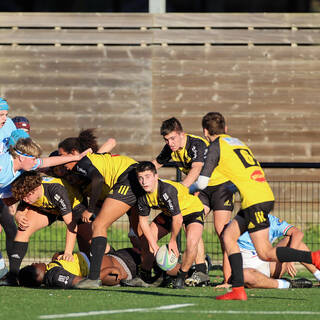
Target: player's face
[
  {"x": 33, "y": 195},
  {"x": 148, "y": 180},
  {"x": 68, "y": 165},
  {"x": 27, "y": 163},
  {"x": 175, "y": 140},
  {"x": 3, "y": 117}
]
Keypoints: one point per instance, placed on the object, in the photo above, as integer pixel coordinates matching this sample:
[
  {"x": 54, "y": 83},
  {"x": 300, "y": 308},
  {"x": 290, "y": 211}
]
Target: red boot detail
[
  {"x": 316, "y": 259},
  {"x": 237, "y": 293}
]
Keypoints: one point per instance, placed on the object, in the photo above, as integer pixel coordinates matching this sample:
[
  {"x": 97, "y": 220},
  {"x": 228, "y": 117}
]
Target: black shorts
[
  {"x": 127, "y": 188},
  {"x": 165, "y": 221},
  {"x": 57, "y": 277},
  {"x": 220, "y": 197},
  {"x": 131, "y": 259},
  {"x": 255, "y": 218}
]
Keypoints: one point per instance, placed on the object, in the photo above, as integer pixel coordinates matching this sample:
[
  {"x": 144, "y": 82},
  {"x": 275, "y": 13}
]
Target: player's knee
[{"x": 265, "y": 256}]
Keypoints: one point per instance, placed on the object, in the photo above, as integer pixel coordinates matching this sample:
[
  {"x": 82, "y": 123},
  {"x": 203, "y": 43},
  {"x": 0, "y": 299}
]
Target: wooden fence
[{"x": 125, "y": 73}]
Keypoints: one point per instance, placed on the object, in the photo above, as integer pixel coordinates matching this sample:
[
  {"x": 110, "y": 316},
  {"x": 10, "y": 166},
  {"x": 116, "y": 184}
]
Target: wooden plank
[
  {"x": 79, "y": 20},
  {"x": 75, "y": 36},
  {"x": 237, "y": 20},
  {"x": 236, "y": 36}
]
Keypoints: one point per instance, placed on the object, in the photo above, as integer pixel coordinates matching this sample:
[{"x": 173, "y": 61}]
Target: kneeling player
[{"x": 178, "y": 207}]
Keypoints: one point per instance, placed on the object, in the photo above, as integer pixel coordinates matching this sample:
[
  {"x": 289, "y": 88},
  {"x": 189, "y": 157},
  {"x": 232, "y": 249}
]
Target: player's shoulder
[{"x": 194, "y": 139}]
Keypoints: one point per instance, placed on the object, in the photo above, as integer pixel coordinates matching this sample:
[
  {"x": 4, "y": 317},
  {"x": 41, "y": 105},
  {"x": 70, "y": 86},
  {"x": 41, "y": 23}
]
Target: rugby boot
[
  {"x": 237, "y": 293},
  {"x": 3, "y": 272},
  {"x": 88, "y": 284},
  {"x": 300, "y": 283},
  {"x": 315, "y": 256},
  {"x": 134, "y": 282},
  {"x": 9, "y": 279},
  {"x": 198, "y": 279}
]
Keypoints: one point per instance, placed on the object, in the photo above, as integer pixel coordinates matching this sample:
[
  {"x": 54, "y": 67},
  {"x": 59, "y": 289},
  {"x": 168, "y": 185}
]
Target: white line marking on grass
[
  {"x": 311, "y": 313},
  {"x": 97, "y": 313}
]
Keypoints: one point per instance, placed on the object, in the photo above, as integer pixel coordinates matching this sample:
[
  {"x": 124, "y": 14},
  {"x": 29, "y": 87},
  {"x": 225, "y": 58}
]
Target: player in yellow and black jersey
[
  {"x": 116, "y": 173},
  {"x": 120, "y": 265},
  {"x": 178, "y": 207},
  {"x": 234, "y": 159},
  {"x": 189, "y": 153},
  {"x": 43, "y": 201}
]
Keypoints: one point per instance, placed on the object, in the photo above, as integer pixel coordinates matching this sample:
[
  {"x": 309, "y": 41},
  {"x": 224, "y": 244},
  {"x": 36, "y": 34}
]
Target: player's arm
[
  {"x": 156, "y": 164},
  {"x": 145, "y": 227},
  {"x": 108, "y": 146},
  {"x": 175, "y": 229},
  {"x": 296, "y": 237},
  {"x": 210, "y": 164},
  {"x": 71, "y": 236},
  {"x": 55, "y": 161},
  {"x": 163, "y": 157},
  {"x": 193, "y": 174}
]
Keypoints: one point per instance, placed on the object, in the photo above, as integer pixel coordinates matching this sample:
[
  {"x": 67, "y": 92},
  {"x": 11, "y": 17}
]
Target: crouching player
[
  {"x": 120, "y": 265},
  {"x": 178, "y": 208},
  {"x": 43, "y": 201}
]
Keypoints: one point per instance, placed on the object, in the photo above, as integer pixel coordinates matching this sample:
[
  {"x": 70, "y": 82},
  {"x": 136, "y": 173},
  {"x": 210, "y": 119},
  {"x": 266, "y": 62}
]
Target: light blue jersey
[
  {"x": 5, "y": 133},
  {"x": 7, "y": 174},
  {"x": 278, "y": 228}
]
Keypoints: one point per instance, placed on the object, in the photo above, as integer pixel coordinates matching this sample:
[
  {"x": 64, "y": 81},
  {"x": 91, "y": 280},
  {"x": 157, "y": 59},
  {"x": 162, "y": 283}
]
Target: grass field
[{"x": 156, "y": 303}]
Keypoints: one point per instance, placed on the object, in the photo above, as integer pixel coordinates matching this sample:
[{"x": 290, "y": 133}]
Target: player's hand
[
  {"x": 291, "y": 269},
  {"x": 65, "y": 256},
  {"x": 86, "y": 215},
  {"x": 196, "y": 193},
  {"x": 223, "y": 286},
  {"x": 172, "y": 246},
  {"x": 22, "y": 220}
]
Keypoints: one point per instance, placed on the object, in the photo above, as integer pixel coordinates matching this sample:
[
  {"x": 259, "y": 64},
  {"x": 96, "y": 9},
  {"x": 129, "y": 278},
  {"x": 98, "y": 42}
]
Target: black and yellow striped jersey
[
  {"x": 195, "y": 150},
  {"x": 79, "y": 266},
  {"x": 234, "y": 160},
  {"x": 172, "y": 198},
  {"x": 59, "y": 197}
]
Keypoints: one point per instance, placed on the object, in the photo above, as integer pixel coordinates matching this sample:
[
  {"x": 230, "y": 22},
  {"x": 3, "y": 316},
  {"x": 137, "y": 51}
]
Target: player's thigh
[
  {"x": 111, "y": 211},
  {"x": 193, "y": 234},
  {"x": 221, "y": 219},
  {"x": 262, "y": 244}
]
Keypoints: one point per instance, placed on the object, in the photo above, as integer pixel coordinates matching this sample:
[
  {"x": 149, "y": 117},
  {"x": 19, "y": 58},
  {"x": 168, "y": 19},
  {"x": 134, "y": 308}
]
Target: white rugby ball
[{"x": 166, "y": 260}]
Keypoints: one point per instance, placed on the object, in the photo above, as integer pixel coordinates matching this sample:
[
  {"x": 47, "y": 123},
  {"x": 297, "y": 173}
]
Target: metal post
[{"x": 157, "y": 6}]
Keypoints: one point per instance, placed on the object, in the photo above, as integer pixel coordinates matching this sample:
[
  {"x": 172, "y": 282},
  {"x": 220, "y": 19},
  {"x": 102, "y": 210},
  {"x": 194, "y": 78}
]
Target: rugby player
[
  {"x": 235, "y": 160},
  {"x": 120, "y": 265},
  {"x": 43, "y": 201},
  {"x": 189, "y": 153},
  {"x": 116, "y": 175},
  {"x": 178, "y": 208}
]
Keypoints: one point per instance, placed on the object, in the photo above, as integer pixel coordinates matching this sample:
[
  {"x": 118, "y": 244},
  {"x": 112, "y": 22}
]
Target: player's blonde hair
[{"x": 25, "y": 147}]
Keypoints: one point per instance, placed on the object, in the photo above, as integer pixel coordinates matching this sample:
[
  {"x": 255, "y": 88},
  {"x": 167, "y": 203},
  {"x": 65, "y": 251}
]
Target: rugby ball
[{"x": 166, "y": 260}]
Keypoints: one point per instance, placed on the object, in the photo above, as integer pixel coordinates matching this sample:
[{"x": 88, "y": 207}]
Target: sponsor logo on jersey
[
  {"x": 233, "y": 141},
  {"x": 47, "y": 179},
  {"x": 258, "y": 176},
  {"x": 81, "y": 170}
]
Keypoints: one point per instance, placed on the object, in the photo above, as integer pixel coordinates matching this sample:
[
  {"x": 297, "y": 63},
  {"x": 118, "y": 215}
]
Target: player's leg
[
  {"x": 111, "y": 211},
  {"x": 255, "y": 279},
  {"x": 193, "y": 235},
  {"x": 230, "y": 237},
  {"x": 36, "y": 222}
]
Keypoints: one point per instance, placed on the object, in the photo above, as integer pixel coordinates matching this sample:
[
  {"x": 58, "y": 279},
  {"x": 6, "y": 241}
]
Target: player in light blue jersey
[
  {"x": 263, "y": 274},
  {"x": 6, "y": 218}
]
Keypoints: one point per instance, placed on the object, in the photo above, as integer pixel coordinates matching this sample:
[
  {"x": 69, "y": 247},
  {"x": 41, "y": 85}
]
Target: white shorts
[{"x": 251, "y": 260}]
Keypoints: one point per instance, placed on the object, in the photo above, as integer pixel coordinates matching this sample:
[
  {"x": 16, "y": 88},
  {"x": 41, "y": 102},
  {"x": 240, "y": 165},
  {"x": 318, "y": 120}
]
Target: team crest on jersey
[
  {"x": 47, "y": 179},
  {"x": 258, "y": 176}
]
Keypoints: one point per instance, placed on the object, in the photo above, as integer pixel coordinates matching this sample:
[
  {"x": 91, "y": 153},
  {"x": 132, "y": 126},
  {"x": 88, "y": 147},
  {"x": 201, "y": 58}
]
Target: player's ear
[{"x": 225, "y": 129}]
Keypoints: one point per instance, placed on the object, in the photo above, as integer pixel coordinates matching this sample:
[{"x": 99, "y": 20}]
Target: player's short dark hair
[
  {"x": 28, "y": 277},
  {"x": 85, "y": 140},
  {"x": 28, "y": 181},
  {"x": 170, "y": 125},
  {"x": 146, "y": 166},
  {"x": 214, "y": 122}
]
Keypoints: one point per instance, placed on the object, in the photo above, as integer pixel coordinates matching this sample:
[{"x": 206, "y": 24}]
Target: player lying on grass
[
  {"x": 178, "y": 208},
  {"x": 43, "y": 200},
  {"x": 262, "y": 274},
  {"x": 120, "y": 265}
]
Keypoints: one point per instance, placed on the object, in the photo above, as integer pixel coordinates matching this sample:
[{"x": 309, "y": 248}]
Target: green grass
[{"x": 22, "y": 303}]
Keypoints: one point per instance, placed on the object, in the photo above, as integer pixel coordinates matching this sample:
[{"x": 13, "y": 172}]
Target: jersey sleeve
[
  {"x": 60, "y": 198},
  {"x": 212, "y": 159},
  {"x": 58, "y": 277},
  {"x": 165, "y": 155},
  {"x": 278, "y": 227},
  {"x": 198, "y": 151},
  {"x": 85, "y": 168},
  {"x": 169, "y": 196},
  {"x": 143, "y": 208}
]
